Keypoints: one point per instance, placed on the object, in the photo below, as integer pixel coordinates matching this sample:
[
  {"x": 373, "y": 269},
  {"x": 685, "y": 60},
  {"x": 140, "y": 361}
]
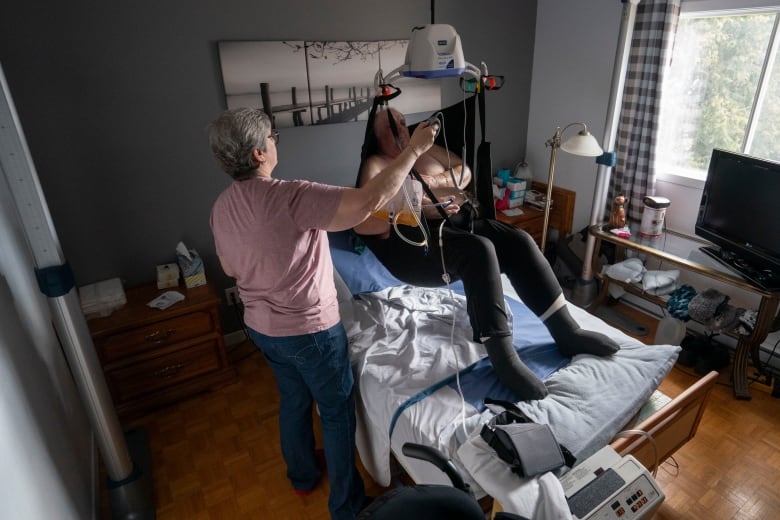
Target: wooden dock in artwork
[{"x": 332, "y": 110}]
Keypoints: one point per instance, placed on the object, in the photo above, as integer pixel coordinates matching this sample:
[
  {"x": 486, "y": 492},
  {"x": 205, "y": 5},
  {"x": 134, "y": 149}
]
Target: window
[{"x": 722, "y": 90}]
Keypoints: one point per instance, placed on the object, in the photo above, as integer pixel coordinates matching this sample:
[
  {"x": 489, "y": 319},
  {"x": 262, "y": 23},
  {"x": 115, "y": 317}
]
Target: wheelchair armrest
[{"x": 435, "y": 457}]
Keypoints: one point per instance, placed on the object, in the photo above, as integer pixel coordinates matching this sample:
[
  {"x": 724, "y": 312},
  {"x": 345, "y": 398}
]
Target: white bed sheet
[{"x": 402, "y": 342}]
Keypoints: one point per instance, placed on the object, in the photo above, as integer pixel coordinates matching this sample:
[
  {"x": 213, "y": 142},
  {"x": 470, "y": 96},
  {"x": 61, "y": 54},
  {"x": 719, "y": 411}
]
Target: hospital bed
[{"x": 421, "y": 379}]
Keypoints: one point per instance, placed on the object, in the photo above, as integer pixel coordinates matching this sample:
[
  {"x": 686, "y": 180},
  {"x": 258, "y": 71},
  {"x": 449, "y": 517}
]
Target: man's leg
[
  {"x": 473, "y": 259},
  {"x": 534, "y": 280}
]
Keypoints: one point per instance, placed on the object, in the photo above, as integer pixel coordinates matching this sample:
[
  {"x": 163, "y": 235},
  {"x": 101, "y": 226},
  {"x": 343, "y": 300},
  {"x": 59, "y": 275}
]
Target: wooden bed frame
[{"x": 669, "y": 428}]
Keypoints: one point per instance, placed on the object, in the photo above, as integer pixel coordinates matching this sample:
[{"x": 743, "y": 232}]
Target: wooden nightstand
[
  {"x": 532, "y": 219},
  {"x": 152, "y": 358}
]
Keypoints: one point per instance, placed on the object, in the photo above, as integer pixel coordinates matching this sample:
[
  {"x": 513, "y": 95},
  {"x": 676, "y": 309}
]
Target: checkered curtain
[{"x": 651, "y": 49}]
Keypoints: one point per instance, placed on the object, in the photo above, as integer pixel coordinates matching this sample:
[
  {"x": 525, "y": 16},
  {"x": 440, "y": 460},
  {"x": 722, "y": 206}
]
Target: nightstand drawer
[
  {"x": 132, "y": 381},
  {"x": 534, "y": 228},
  {"x": 166, "y": 332}
]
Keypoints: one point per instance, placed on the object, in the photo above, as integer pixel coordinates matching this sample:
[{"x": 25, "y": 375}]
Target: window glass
[
  {"x": 709, "y": 90},
  {"x": 766, "y": 139}
]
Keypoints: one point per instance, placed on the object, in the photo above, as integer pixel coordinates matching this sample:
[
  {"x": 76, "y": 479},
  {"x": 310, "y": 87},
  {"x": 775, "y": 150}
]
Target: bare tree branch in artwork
[{"x": 341, "y": 52}]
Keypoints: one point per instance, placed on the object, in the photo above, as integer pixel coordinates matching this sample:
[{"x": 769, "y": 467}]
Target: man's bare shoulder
[{"x": 375, "y": 163}]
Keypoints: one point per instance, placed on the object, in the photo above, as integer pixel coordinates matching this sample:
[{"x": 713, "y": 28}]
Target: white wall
[
  {"x": 574, "y": 54},
  {"x": 46, "y": 446}
]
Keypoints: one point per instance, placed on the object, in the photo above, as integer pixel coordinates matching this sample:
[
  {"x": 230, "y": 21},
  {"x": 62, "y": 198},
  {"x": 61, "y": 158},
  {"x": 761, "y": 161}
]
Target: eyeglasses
[{"x": 274, "y": 136}]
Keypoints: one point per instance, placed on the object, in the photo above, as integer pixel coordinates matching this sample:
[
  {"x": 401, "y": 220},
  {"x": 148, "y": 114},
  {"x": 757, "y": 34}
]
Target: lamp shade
[{"x": 582, "y": 144}]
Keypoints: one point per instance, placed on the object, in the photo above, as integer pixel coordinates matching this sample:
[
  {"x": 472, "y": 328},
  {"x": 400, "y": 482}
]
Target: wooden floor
[{"x": 217, "y": 456}]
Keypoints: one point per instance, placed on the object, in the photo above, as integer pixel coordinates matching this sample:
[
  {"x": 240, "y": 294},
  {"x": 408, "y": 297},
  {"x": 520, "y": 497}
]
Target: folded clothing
[
  {"x": 679, "y": 300},
  {"x": 727, "y": 318},
  {"x": 712, "y": 309},
  {"x": 706, "y": 305},
  {"x": 629, "y": 270},
  {"x": 660, "y": 282},
  {"x": 747, "y": 322}
]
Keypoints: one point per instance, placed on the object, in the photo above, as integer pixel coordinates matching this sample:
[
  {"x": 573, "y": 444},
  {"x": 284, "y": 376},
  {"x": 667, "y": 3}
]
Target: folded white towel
[
  {"x": 661, "y": 282},
  {"x": 629, "y": 270}
]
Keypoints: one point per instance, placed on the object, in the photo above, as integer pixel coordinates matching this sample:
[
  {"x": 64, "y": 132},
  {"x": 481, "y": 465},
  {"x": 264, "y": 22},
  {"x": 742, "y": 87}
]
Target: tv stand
[
  {"x": 673, "y": 249},
  {"x": 766, "y": 279}
]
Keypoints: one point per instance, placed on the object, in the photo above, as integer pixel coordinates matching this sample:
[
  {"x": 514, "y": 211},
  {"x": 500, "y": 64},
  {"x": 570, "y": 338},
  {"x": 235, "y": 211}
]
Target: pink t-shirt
[{"x": 271, "y": 233}]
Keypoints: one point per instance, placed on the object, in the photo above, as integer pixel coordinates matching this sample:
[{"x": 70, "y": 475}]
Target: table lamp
[{"x": 584, "y": 144}]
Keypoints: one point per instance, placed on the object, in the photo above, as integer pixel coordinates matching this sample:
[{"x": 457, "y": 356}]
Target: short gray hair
[{"x": 232, "y": 137}]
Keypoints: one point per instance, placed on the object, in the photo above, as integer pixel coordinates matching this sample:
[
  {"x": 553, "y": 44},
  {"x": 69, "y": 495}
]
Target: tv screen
[{"x": 740, "y": 208}]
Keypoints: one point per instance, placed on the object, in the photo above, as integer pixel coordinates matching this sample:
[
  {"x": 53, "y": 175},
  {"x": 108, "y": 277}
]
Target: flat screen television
[{"x": 740, "y": 211}]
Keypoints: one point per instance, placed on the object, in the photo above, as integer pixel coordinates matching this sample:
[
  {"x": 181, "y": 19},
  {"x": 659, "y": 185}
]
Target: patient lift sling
[{"x": 459, "y": 119}]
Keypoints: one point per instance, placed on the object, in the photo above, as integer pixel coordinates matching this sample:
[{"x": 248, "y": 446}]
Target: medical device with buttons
[{"x": 608, "y": 486}]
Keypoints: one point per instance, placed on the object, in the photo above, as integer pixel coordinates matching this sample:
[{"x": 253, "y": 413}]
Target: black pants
[{"x": 476, "y": 252}]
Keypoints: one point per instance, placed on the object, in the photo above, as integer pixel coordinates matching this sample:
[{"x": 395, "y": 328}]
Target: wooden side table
[
  {"x": 532, "y": 219},
  {"x": 153, "y": 358}
]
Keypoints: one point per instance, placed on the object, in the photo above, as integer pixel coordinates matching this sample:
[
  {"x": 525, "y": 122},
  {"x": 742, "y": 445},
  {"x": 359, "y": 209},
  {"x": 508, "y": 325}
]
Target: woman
[
  {"x": 271, "y": 236},
  {"x": 476, "y": 251}
]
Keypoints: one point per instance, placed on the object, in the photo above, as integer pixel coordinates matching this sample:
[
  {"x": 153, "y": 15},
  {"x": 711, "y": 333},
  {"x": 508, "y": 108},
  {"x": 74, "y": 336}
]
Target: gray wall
[
  {"x": 114, "y": 99},
  {"x": 574, "y": 56}
]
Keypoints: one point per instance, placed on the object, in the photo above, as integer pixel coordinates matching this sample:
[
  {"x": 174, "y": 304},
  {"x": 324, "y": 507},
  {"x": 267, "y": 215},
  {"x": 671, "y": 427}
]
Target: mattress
[{"x": 421, "y": 379}]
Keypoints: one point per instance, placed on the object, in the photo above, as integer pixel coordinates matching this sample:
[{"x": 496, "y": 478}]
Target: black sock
[
  {"x": 572, "y": 340},
  {"x": 511, "y": 371}
]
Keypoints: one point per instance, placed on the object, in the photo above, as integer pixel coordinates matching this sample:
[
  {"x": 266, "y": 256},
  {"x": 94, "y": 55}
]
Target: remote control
[{"x": 433, "y": 120}]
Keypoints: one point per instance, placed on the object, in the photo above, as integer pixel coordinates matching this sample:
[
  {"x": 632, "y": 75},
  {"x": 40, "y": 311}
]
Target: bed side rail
[{"x": 670, "y": 427}]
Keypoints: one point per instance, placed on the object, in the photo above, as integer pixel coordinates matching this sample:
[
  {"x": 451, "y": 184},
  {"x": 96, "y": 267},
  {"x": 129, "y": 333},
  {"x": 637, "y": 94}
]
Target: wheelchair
[{"x": 430, "y": 501}]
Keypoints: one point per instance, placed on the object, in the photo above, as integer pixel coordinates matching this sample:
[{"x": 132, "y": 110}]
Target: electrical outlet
[{"x": 231, "y": 295}]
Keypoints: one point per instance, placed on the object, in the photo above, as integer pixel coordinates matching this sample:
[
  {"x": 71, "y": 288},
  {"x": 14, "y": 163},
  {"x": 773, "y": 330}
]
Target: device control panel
[{"x": 608, "y": 487}]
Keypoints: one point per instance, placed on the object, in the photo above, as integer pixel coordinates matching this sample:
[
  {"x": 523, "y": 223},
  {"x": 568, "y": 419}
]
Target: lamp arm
[
  {"x": 583, "y": 125},
  {"x": 555, "y": 140},
  {"x": 556, "y": 143}
]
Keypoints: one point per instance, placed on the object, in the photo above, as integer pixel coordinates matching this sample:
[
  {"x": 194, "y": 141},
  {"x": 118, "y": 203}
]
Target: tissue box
[
  {"x": 192, "y": 269},
  {"x": 167, "y": 276},
  {"x": 100, "y": 299},
  {"x": 515, "y": 184}
]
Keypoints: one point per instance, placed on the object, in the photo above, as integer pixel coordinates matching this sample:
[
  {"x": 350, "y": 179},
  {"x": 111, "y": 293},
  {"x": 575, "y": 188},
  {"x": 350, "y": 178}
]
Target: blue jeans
[{"x": 316, "y": 367}]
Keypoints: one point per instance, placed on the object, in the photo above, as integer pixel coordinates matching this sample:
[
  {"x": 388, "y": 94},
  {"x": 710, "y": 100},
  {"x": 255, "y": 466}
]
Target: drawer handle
[
  {"x": 168, "y": 371},
  {"x": 159, "y": 336}
]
